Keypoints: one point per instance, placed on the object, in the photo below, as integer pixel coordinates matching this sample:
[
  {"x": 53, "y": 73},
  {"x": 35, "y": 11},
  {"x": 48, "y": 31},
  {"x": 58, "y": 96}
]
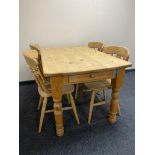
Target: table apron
[{"x": 88, "y": 77}]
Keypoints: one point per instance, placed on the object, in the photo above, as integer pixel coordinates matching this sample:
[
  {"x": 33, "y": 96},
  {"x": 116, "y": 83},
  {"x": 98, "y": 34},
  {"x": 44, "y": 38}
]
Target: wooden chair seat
[
  {"x": 67, "y": 89},
  {"x": 98, "y": 85}
]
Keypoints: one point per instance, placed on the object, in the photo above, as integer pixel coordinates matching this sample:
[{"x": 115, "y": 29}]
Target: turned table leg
[
  {"x": 56, "y": 85},
  {"x": 116, "y": 83}
]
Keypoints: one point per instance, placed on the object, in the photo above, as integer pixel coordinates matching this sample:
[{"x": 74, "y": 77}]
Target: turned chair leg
[
  {"x": 68, "y": 98},
  {"x": 74, "y": 108},
  {"x": 91, "y": 106},
  {"x": 118, "y": 110},
  {"x": 40, "y": 102},
  {"x": 42, "y": 114}
]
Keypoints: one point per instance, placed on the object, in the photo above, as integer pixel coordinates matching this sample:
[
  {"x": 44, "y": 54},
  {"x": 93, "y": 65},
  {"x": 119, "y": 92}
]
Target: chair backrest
[
  {"x": 95, "y": 45},
  {"x": 37, "y": 48},
  {"x": 118, "y": 51},
  {"x": 35, "y": 69}
]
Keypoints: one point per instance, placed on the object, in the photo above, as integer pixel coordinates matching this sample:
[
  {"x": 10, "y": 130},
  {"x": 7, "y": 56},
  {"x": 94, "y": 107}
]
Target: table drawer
[{"x": 93, "y": 76}]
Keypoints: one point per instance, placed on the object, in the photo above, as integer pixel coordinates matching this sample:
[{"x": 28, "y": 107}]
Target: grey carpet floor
[{"x": 99, "y": 138}]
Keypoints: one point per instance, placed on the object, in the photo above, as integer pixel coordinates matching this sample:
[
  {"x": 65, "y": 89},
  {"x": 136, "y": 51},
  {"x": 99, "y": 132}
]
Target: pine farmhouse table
[{"x": 72, "y": 65}]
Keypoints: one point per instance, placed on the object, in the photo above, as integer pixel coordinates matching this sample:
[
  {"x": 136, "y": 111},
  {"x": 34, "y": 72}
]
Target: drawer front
[{"x": 87, "y": 77}]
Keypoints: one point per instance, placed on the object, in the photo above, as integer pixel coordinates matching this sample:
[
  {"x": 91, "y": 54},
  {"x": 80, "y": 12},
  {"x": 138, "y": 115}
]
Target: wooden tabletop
[{"x": 70, "y": 60}]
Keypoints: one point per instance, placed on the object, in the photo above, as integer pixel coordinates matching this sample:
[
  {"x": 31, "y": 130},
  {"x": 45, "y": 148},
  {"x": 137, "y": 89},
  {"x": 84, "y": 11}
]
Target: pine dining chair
[
  {"x": 99, "y": 46},
  {"x": 98, "y": 86},
  {"x": 44, "y": 89},
  {"x": 37, "y": 50}
]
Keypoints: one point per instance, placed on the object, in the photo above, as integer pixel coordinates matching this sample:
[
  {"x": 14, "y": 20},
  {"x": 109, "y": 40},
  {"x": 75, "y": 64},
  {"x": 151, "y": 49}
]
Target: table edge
[{"x": 83, "y": 72}]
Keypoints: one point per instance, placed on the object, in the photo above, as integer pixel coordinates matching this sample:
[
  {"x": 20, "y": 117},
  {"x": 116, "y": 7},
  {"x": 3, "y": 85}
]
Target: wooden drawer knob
[{"x": 92, "y": 75}]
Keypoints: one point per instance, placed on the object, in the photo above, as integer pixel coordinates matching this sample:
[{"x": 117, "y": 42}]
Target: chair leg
[
  {"x": 42, "y": 114},
  {"x": 91, "y": 106},
  {"x": 40, "y": 102},
  {"x": 105, "y": 92},
  {"x": 68, "y": 98},
  {"x": 76, "y": 91},
  {"x": 104, "y": 95},
  {"x": 118, "y": 110},
  {"x": 74, "y": 109},
  {"x": 79, "y": 93}
]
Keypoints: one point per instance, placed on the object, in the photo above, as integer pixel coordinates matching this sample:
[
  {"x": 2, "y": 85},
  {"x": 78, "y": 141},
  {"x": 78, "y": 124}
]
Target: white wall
[{"x": 75, "y": 22}]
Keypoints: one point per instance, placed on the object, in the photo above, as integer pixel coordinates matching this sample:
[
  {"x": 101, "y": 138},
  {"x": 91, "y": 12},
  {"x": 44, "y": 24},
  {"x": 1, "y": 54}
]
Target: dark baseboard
[
  {"x": 30, "y": 82},
  {"x": 130, "y": 70}
]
